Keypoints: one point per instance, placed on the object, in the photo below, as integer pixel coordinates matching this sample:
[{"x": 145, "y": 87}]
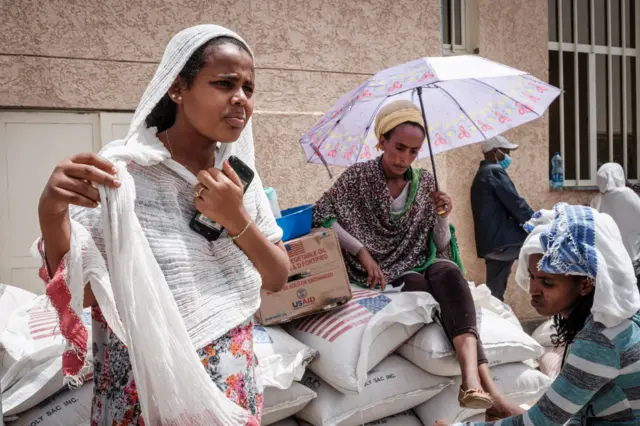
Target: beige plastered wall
[{"x": 99, "y": 55}]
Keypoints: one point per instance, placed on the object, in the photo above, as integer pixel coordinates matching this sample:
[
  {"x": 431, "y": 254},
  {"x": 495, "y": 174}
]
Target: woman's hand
[
  {"x": 443, "y": 204},
  {"x": 219, "y": 196},
  {"x": 374, "y": 273},
  {"x": 73, "y": 182}
]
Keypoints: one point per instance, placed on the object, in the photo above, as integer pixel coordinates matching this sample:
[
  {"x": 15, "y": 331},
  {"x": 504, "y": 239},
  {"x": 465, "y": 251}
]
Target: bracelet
[{"x": 243, "y": 231}]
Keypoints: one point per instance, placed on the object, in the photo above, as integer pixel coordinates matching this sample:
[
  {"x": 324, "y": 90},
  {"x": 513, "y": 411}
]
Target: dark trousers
[
  {"x": 445, "y": 282},
  {"x": 499, "y": 265}
]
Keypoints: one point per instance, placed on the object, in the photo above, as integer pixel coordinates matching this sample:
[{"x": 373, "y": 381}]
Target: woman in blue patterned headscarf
[{"x": 576, "y": 269}]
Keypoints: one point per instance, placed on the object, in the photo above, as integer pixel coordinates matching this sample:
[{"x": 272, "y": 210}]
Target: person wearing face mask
[{"x": 498, "y": 214}]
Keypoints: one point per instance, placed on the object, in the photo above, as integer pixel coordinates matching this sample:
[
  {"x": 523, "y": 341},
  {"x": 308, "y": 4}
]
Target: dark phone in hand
[{"x": 207, "y": 227}]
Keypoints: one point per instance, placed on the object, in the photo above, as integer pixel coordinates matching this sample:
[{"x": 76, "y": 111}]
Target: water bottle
[
  {"x": 557, "y": 175},
  {"x": 272, "y": 196}
]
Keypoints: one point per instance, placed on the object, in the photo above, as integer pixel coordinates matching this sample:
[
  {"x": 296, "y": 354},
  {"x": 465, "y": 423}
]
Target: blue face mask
[{"x": 506, "y": 161}]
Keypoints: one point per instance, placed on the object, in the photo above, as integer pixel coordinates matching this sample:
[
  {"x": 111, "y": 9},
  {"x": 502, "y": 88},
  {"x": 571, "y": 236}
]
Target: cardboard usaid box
[{"x": 317, "y": 280}]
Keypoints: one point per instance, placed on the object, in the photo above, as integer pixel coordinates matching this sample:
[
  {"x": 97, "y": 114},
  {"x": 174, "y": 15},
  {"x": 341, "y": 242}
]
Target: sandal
[{"x": 475, "y": 399}]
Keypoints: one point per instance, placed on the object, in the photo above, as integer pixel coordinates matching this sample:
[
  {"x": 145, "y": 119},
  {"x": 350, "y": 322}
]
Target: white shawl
[
  {"x": 577, "y": 240},
  {"x": 134, "y": 295},
  {"x": 623, "y": 205}
]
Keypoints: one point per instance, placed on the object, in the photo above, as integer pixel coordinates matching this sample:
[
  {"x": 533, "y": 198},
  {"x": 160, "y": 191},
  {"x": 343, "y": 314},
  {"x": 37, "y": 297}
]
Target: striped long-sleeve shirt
[{"x": 600, "y": 380}]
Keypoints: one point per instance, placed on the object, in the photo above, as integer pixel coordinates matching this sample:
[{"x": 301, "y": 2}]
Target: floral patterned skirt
[{"x": 229, "y": 360}]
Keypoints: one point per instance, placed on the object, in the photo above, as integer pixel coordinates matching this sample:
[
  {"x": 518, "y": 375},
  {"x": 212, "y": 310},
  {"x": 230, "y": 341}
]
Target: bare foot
[{"x": 502, "y": 409}]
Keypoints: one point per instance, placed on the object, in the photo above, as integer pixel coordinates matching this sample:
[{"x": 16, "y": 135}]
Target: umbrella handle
[{"x": 426, "y": 131}]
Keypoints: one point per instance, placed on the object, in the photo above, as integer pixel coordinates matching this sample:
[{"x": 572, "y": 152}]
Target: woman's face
[
  {"x": 219, "y": 102},
  {"x": 553, "y": 294},
  {"x": 402, "y": 149}
]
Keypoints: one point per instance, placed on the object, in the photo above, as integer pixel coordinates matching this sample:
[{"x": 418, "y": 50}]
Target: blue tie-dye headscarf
[{"x": 577, "y": 240}]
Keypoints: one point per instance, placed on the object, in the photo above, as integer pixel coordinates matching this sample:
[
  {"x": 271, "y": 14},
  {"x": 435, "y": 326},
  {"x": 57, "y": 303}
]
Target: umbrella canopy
[{"x": 464, "y": 99}]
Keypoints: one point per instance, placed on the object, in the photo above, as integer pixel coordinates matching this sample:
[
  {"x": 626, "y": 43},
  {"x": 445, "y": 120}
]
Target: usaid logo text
[{"x": 304, "y": 300}]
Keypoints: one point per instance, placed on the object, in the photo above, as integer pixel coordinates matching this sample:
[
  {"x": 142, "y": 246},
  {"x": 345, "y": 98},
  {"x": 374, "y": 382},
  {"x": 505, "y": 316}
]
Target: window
[
  {"x": 592, "y": 57},
  {"x": 459, "y": 27}
]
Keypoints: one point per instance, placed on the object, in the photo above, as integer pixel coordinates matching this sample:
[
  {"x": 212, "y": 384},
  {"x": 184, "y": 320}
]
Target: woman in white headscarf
[
  {"x": 575, "y": 268},
  {"x": 623, "y": 205},
  {"x": 166, "y": 301}
]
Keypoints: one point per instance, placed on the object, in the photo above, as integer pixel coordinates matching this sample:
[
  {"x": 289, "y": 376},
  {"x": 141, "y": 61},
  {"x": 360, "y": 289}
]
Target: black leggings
[{"x": 445, "y": 282}]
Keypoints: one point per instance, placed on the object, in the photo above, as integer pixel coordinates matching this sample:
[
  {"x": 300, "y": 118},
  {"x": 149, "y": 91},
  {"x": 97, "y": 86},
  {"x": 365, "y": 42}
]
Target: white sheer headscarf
[
  {"x": 577, "y": 240},
  {"x": 173, "y": 387}
]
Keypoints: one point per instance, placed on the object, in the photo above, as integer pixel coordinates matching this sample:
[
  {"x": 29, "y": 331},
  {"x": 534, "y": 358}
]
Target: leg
[
  {"x": 487, "y": 381},
  {"x": 411, "y": 282},
  {"x": 449, "y": 287},
  {"x": 466, "y": 346},
  {"x": 501, "y": 408},
  {"x": 497, "y": 276}
]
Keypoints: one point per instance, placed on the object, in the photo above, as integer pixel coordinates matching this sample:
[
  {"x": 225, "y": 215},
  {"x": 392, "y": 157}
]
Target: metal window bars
[{"x": 617, "y": 130}]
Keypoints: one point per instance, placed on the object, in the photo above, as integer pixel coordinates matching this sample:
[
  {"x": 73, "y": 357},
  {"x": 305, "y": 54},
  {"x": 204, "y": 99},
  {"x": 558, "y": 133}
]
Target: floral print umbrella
[{"x": 464, "y": 100}]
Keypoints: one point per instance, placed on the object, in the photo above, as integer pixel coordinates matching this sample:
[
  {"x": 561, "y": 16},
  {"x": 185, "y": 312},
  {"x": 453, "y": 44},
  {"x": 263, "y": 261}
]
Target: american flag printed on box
[
  {"x": 358, "y": 311},
  {"x": 294, "y": 248}
]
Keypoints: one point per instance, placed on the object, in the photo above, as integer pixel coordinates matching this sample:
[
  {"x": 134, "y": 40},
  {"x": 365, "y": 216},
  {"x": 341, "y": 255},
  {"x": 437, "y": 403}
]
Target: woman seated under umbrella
[
  {"x": 394, "y": 231},
  {"x": 576, "y": 268}
]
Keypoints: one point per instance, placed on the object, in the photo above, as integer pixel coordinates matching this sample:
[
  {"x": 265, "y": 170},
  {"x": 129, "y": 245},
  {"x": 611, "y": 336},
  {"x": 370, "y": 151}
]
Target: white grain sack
[
  {"x": 291, "y": 421},
  {"x": 543, "y": 333},
  {"x": 280, "y": 404},
  {"x": 282, "y": 358},
  {"x": 69, "y": 407},
  {"x": 478, "y": 418},
  {"x": 406, "y": 418},
  {"x": 503, "y": 343},
  {"x": 354, "y": 339},
  {"x": 32, "y": 362},
  {"x": 394, "y": 386},
  {"x": 483, "y": 298},
  {"x": 11, "y": 298},
  {"x": 550, "y": 363},
  {"x": 517, "y": 382}
]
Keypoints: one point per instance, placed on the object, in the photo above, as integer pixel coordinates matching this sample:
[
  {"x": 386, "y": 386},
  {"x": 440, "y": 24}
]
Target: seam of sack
[
  {"x": 386, "y": 401},
  {"x": 290, "y": 404},
  {"x": 444, "y": 354}
]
